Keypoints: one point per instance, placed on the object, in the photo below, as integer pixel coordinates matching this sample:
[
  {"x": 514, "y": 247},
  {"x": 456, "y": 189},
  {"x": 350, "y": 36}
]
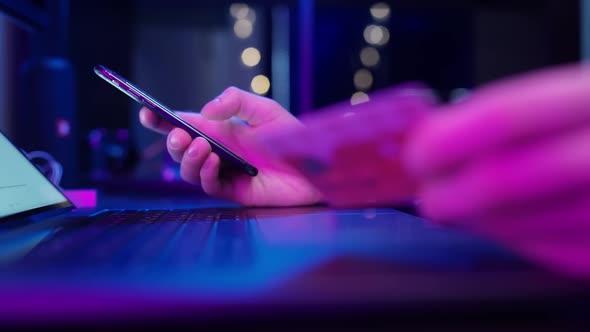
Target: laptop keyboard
[
  {"x": 155, "y": 216},
  {"x": 137, "y": 240}
]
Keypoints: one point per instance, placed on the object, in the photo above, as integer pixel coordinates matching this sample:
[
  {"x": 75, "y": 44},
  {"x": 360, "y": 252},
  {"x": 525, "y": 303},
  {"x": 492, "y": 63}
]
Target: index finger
[
  {"x": 501, "y": 115},
  {"x": 248, "y": 107},
  {"x": 152, "y": 121}
]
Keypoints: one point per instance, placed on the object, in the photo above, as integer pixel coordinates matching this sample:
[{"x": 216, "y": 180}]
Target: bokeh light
[
  {"x": 359, "y": 98},
  {"x": 370, "y": 56},
  {"x": 243, "y": 28},
  {"x": 251, "y": 56},
  {"x": 380, "y": 11},
  {"x": 377, "y": 35},
  {"x": 363, "y": 79},
  {"x": 260, "y": 84},
  {"x": 239, "y": 10},
  {"x": 251, "y": 16}
]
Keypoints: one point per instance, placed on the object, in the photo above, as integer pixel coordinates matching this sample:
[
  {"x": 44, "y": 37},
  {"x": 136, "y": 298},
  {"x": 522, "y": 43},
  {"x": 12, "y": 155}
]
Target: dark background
[{"x": 185, "y": 53}]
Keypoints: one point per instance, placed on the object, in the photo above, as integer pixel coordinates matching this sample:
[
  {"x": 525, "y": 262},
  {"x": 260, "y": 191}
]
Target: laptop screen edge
[{"x": 66, "y": 204}]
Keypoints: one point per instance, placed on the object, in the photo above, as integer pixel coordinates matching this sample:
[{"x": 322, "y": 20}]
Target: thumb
[{"x": 252, "y": 109}]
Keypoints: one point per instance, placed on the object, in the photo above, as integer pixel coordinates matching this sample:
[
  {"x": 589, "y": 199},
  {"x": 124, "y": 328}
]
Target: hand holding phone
[
  {"x": 171, "y": 117},
  {"x": 276, "y": 184}
]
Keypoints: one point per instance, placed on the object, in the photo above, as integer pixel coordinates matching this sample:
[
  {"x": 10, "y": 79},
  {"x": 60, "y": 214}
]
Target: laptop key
[
  {"x": 145, "y": 250},
  {"x": 140, "y": 239},
  {"x": 186, "y": 248}
]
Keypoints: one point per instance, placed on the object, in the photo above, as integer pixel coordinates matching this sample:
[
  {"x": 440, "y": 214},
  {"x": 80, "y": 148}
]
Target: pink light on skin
[
  {"x": 511, "y": 163},
  {"x": 262, "y": 115}
]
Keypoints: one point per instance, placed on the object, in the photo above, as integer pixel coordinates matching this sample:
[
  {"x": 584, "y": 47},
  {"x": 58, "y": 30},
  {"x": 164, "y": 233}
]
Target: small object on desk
[{"x": 82, "y": 198}]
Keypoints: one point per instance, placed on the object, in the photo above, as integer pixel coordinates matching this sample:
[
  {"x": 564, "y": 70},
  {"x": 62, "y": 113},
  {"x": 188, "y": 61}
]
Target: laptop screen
[{"x": 23, "y": 188}]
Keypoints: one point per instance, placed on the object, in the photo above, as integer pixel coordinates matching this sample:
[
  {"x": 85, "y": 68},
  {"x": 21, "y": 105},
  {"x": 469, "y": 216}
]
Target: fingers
[
  {"x": 554, "y": 234},
  {"x": 209, "y": 173},
  {"x": 560, "y": 217},
  {"x": 253, "y": 109},
  {"x": 178, "y": 142},
  {"x": 501, "y": 115},
  {"x": 539, "y": 171},
  {"x": 152, "y": 121},
  {"x": 193, "y": 159},
  {"x": 197, "y": 163}
]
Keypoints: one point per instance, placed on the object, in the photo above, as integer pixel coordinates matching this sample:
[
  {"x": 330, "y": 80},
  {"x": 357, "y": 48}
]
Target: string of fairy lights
[
  {"x": 376, "y": 36},
  {"x": 243, "y": 25}
]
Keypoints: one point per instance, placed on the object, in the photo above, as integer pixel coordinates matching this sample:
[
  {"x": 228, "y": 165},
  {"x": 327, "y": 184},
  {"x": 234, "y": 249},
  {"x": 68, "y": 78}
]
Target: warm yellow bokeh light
[
  {"x": 363, "y": 79},
  {"x": 251, "y": 16},
  {"x": 380, "y": 11},
  {"x": 376, "y": 35},
  {"x": 370, "y": 56},
  {"x": 251, "y": 56},
  {"x": 260, "y": 84},
  {"x": 243, "y": 28},
  {"x": 239, "y": 10},
  {"x": 359, "y": 98}
]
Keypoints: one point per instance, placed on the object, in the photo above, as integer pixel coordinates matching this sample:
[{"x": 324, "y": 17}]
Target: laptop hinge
[{"x": 34, "y": 219}]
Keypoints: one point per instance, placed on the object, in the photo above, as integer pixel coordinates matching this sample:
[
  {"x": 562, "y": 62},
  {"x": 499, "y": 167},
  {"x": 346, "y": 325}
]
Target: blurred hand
[
  {"x": 513, "y": 162},
  {"x": 236, "y": 118}
]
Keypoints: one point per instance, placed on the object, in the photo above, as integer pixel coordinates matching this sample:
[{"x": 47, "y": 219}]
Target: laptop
[{"x": 59, "y": 263}]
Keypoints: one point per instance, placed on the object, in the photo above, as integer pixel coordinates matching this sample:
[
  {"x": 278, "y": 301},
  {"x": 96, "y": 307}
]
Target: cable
[{"x": 45, "y": 162}]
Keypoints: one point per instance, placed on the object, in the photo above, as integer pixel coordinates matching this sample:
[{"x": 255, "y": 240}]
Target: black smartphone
[{"x": 167, "y": 114}]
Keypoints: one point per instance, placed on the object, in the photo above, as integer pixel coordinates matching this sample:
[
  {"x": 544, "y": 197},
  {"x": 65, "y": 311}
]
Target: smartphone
[{"x": 226, "y": 155}]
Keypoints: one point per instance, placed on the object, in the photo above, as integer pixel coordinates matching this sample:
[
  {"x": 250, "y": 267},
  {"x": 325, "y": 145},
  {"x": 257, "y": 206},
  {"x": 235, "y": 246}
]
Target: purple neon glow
[
  {"x": 169, "y": 174},
  {"x": 62, "y": 128},
  {"x": 82, "y": 198}
]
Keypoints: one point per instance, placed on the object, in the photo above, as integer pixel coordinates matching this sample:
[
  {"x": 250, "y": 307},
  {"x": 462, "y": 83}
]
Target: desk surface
[{"x": 341, "y": 291}]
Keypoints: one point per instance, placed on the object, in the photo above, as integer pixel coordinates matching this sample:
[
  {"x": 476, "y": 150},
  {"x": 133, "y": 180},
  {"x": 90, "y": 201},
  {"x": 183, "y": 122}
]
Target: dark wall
[
  {"x": 183, "y": 51},
  {"x": 512, "y": 40},
  {"x": 448, "y": 45}
]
